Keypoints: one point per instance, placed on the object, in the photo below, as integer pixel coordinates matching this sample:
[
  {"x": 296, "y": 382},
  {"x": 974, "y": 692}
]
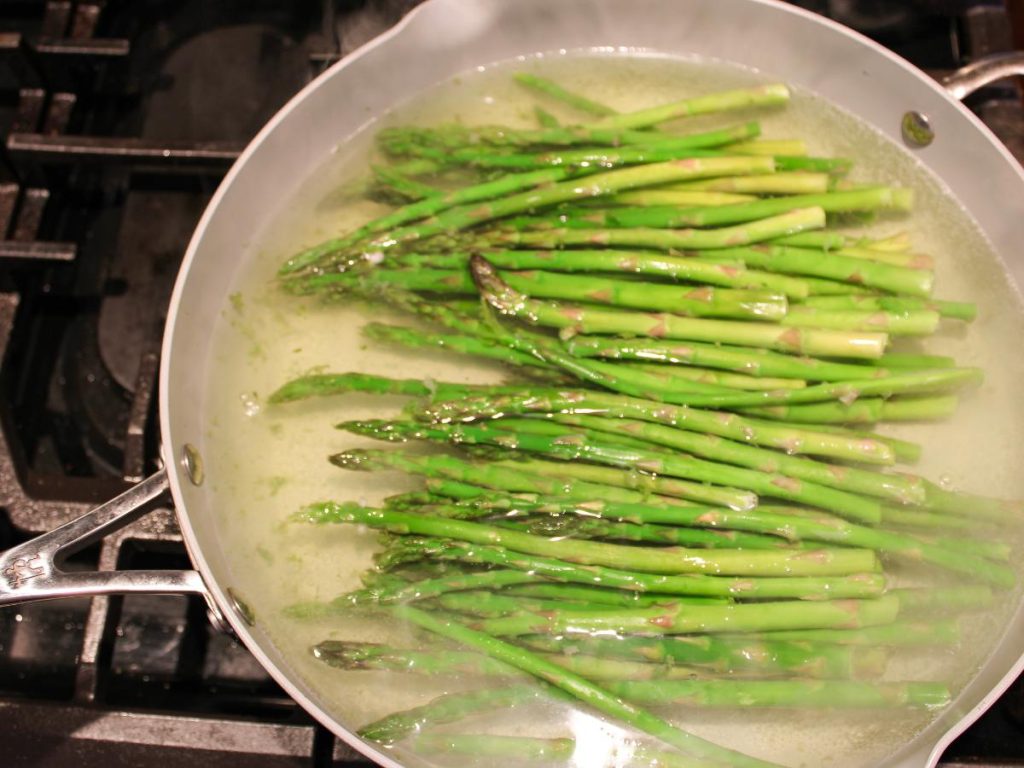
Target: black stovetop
[{"x": 118, "y": 119}]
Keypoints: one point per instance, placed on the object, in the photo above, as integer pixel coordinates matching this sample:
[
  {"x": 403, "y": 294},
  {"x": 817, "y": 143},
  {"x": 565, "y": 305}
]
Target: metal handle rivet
[
  {"x": 917, "y": 129},
  {"x": 192, "y": 463},
  {"x": 241, "y": 607}
]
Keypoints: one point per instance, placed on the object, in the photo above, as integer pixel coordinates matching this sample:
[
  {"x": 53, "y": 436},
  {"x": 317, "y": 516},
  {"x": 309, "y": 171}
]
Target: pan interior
[{"x": 263, "y": 462}]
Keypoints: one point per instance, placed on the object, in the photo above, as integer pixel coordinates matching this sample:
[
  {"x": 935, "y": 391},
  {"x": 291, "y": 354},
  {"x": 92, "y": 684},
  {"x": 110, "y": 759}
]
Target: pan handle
[
  {"x": 31, "y": 571},
  {"x": 980, "y": 73}
]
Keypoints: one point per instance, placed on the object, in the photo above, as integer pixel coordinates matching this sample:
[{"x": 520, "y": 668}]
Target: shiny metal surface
[
  {"x": 37, "y": 251},
  {"x": 982, "y": 72},
  {"x": 43, "y": 147},
  {"x": 31, "y": 571},
  {"x": 108, "y": 739},
  {"x": 916, "y": 127},
  {"x": 192, "y": 462},
  {"x": 917, "y": 130}
]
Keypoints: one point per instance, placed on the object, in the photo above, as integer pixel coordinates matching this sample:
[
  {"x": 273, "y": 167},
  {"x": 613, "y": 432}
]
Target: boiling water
[{"x": 267, "y": 461}]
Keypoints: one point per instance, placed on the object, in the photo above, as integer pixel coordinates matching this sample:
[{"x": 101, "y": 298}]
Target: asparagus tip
[
  {"x": 380, "y": 429},
  {"x": 344, "y": 654},
  {"x": 354, "y": 459}
]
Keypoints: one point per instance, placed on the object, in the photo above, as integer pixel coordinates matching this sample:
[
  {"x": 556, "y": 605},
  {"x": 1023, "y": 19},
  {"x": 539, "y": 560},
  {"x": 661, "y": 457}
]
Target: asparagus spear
[
  {"x": 840, "y": 694},
  {"x": 454, "y": 489},
  {"x": 892, "y": 243},
  {"x": 917, "y": 519},
  {"x": 899, "y": 488},
  {"x": 681, "y": 300},
  {"x": 465, "y": 344},
  {"x": 588, "y": 528},
  {"x": 917, "y": 382},
  {"x": 895, "y": 258},
  {"x": 767, "y": 520},
  {"x": 913, "y": 361},
  {"x": 669, "y": 560},
  {"x": 628, "y": 262},
  {"x": 574, "y": 318},
  {"x": 898, "y": 258},
  {"x": 688, "y": 301},
  {"x": 680, "y": 197},
  {"x": 646, "y": 682},
  {"x": 664, "y": 149},
  {"x": 826, "y": 241},
  {"x": 899, "y": 634},
  {"x": 488, "y": 137},
  {"x": 402, "y": 591},
  {"x": 595, "y": 185},
  {"x": 904, "y": 451},
  {"x": 354, "y": 656},
  {"x": 479, "y": 144},
  {"x": 545, "y": 118},
  {"x": 831, "y": 266},
  {"x": 596, "y": 595},
  {"x": 862, "y": 411},
  {"x": 724, "y": 654},
  {"x": 765, "y": 95},
  {"x": 869, "y": 199},
  {"x": 328, "y": 252},
  {"x": 319, "y": 385},
  {"x": 719, "y": 378},
  {"x": 655, "y": 461},
  {"x": 410, "y": 500},
  {"x": 669, "y": 489},
  {"x": 794, "y": 440},
  {"x": 578, "y": 479},
  {"x": 981, "y": 508},
  {"x": 926, "y": 600},
  {"x": 859, "y": 585},
  {"x": 818, "y": 286},
  {"x": 958, "y": 310},
  {"x": 579, "y": 687},
  {"x": 911, "y": 322},
  {"x": 753, "y": 362},
  {"x": 445, "y": 709},
  {"x": 391, "y": 183},
  {"x": 572, "y": 481},
  {"x": 718, "y": 239},
  {"x": 786, "y": 183},
  {"x": 993, "y": 550},
  {"x": 326, "y": 384},
  {"x": 741, "y": 617},
  {"x": 557, "y": 92},
  {"x": 460, "y": 316},
  {"x": 488, "y": 604}
]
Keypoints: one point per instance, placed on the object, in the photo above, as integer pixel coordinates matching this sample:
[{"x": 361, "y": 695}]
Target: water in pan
[{"x": 267, "y": 461}]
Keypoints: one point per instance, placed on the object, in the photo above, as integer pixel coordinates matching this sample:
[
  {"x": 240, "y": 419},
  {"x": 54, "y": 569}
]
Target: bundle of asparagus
[{"x": 677, "y": 502}]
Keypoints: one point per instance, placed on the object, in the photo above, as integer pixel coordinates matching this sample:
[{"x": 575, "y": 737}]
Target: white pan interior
[{"x": 446, "y": 37}]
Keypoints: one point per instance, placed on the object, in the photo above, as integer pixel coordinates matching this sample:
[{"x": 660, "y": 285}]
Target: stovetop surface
[{"x": 119, "y": 119}]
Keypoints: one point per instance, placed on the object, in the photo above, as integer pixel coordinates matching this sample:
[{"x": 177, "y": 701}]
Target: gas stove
[{"x": 118, "y": 120}]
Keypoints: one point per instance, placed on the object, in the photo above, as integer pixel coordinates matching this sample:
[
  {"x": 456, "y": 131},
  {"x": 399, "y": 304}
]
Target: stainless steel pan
[{"x": 438, "y": 40}]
